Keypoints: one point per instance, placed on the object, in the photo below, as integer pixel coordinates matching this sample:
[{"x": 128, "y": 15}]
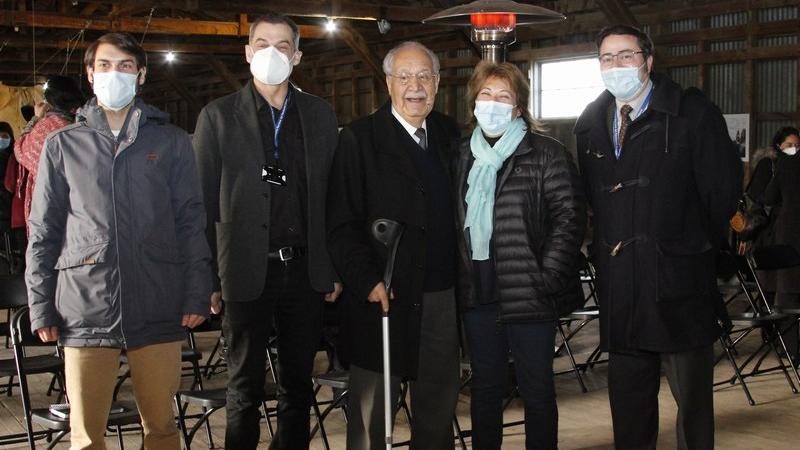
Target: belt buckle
[{"x": 286, "y": 254}]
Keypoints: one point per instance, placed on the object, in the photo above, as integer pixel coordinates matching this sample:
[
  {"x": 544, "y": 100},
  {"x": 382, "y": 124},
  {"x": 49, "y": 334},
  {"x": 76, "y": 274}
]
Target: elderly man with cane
[{"x": 394, "y": 165}]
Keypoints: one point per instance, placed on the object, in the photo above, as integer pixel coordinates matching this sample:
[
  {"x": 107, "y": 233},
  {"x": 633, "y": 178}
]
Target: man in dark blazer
[
  {"x": 663, "y": 178},
  {"x": 394, "y": 164},
  {"x": 264, "y": 154}
]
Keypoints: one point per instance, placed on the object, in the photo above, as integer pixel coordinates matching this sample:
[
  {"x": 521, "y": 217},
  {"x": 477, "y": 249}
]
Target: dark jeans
[
  {"x": 634, "y": 379},
  {"x": 295, "y": 309},
  {"x": 532, "y": 346}
]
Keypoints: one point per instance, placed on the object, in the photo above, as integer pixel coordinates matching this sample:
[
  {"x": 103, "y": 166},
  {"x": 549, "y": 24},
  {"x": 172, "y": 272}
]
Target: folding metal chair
[{"x": 760, "y": 316}]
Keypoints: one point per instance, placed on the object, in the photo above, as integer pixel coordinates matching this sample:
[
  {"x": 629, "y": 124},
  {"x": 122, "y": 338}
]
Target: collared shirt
[
  {"x": 288, "y": 204},
  {"x": 636, "y": 103},
  {"x": 408, "y": 127}
]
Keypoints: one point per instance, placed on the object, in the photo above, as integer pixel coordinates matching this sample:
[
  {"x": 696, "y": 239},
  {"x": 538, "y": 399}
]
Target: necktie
[
  {"x": 423, "y": 139},
  {"x": 624, "y": 121}
]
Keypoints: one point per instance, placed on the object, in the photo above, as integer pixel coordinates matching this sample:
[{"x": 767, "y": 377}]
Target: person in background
[
  {"x": 63, "y": 97},
  {"x": 783, "y": 192},
  {"x": 523, "y": 214},
  {"x": 6, "y": 154}
]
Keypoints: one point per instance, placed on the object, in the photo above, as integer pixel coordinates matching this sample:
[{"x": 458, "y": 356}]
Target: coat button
[{"x": 420, "y": 189}]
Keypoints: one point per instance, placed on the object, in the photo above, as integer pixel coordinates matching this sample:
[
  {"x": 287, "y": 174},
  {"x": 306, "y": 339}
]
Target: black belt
[{"x": 287, "y": 254}]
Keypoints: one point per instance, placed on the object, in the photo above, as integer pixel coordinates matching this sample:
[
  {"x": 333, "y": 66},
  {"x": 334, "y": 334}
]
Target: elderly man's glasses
[
  {"x": 422, "y": 77},
  {"x": 625, "y": 57}
]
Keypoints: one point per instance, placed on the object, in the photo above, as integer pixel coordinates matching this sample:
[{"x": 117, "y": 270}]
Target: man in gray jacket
[{"x": 118, "y": 258}]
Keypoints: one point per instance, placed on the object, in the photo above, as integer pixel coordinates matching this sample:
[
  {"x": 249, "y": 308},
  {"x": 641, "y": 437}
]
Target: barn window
[{"x": 563, "y": 88}]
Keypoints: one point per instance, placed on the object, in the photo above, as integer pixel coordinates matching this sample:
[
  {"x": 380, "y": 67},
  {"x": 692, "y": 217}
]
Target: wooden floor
[{"x": 584, "y": 419}]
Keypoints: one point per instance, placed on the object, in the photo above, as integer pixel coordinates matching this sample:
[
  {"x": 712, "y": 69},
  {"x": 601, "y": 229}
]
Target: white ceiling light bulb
[
  {"x": 170, "y": 57},
  {"x": 330, "y": 26}
]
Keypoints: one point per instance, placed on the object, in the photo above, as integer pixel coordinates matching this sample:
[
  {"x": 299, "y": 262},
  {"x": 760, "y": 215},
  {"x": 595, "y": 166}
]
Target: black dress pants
[
  {"x": 295, "y": 310},
  {"x": 634, "y": 379}
]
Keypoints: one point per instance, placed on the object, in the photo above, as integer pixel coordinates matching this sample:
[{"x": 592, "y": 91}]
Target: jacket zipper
[{"x": 116, "y": 236}]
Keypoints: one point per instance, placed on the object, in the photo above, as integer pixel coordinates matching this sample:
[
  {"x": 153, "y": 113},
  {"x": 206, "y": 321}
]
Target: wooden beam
[
  {"x": 354, "y": 10},
  {"x": 359, "y": 45},
  {"x": 137, "y": 24},
  {"x": 731, "y": 56},
  {"x": 223, "y": 72},
  {"x": 173, "y": 81},
  {"x": 617, "y": 12},
  {"x": 90, "y": 8},
  {"x": 306, "y": 84},
  {"x": 15, "y": 41}
]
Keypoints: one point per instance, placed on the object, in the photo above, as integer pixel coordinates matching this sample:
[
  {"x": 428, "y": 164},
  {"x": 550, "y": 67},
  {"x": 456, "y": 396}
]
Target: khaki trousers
[{"x": 91, "y": 373}]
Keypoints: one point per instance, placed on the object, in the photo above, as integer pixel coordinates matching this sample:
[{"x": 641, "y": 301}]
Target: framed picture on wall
[{"x": 739, "y": 131}]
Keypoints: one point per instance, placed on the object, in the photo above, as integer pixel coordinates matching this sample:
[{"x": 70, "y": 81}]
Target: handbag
[{"x": 750, "y": 219}]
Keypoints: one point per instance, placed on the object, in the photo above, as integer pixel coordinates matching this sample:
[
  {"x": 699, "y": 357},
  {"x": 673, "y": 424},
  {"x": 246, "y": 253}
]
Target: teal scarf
[{"x": 482, "y": 181}]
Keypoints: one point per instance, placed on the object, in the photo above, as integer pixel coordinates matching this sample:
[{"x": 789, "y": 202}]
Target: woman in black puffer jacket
[{"x": 523, "y": 215}]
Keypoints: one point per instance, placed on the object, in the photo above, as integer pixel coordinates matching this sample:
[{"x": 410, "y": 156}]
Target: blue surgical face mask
[
  {"x": 622, "y": 82},
  {"x": 5, "y": 143},
  {"x": 115, "y": 90},
  {"x": 493, "y": 117}
]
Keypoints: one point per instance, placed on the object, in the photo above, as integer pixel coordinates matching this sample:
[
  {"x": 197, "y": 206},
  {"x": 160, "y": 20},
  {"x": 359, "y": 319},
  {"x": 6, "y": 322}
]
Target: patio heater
[{"x": 493, "y": 23}]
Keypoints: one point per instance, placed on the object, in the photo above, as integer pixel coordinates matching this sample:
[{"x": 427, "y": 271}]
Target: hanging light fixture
[{"x": 493, "y": 22}]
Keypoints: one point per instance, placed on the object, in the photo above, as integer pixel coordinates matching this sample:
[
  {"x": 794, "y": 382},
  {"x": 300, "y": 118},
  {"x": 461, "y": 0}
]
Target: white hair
[{"x": 388, "y": 60}]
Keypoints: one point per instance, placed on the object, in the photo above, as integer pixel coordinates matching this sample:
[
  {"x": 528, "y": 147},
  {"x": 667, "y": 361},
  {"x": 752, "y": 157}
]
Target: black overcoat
[
  {"x": 374, "y": 177},
  {"x": 660, "y": 212},
  {"x": 784, "y": 191}
]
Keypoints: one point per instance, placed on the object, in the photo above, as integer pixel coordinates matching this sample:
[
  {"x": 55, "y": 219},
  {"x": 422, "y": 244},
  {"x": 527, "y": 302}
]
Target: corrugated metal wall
[{"x": 725, "y": 87}]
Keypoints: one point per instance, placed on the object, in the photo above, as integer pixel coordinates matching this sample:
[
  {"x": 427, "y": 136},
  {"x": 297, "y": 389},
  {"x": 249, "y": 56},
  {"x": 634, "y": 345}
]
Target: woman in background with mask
[
  {"x": 784, "y": 192},
  {"x": 62, "y": 98},
  {"x": 6, "y": 147},
  {"x": 522, "y": 217}
]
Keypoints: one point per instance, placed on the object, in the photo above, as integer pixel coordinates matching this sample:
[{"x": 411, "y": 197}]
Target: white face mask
[
  {"x": 791, "y": 151},
  {"x": 493, "y": 117},
  {"x": 270, "y": 66},
  {"x": 5, "y": 143},
  {"x": 622, "y": 82},
  {"x": 115, "y": 90}
]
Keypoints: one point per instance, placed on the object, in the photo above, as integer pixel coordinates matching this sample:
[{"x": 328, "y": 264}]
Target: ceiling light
[
  {"x": 170, "y": 57},
  {"x": 330, "y": 26}
]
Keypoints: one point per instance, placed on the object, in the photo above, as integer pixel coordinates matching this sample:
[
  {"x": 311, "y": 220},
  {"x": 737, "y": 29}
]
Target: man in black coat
[
  {"x": 264, "y": 153},
  {"x": 663, "y": 178},
  {"x": 394, "y": 164}
]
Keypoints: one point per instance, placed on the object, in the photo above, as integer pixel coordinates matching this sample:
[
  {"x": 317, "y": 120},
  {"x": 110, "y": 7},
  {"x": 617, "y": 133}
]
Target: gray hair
[{"x": 388, "y": 60}]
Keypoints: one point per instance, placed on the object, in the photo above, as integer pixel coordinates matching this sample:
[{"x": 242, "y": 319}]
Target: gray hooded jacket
[{"x": 117, "y": 250}]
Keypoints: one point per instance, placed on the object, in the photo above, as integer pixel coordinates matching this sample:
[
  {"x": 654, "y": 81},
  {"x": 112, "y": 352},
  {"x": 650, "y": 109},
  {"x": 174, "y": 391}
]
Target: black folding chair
[
  {"x": 759, "y": 316},
  {"x": 22, "y": 337}
]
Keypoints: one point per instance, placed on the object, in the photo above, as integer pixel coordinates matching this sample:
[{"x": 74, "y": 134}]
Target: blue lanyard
[
  {"x": 277, "y": 125},
  {"x": 642, "y": 109}
]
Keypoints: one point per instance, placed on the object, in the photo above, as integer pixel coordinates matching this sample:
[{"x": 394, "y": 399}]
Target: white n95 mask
[{"x": 270, "y": 66}]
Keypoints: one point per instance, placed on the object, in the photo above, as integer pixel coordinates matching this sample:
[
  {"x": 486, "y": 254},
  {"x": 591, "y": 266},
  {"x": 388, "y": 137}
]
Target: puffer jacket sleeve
[
  {"x": 564, "y": 205},
  {"x": 190, "y": 220},
  {"x": 46, "y": 233}
]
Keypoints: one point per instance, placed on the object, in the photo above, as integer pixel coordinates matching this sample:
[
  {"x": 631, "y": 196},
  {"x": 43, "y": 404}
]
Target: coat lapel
[
  {"x": 249, "y": 128},
  {"x": 391, "y": 139}
]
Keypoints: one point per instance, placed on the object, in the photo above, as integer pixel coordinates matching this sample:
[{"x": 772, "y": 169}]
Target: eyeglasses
[
  {"x": 625, "y": 57},
  {"x": 422, "y": 77}
]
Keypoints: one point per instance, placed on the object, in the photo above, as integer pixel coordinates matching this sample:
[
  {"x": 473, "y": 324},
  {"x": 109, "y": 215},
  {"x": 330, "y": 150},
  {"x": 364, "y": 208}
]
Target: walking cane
[{"x": 387, "y": 232}]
